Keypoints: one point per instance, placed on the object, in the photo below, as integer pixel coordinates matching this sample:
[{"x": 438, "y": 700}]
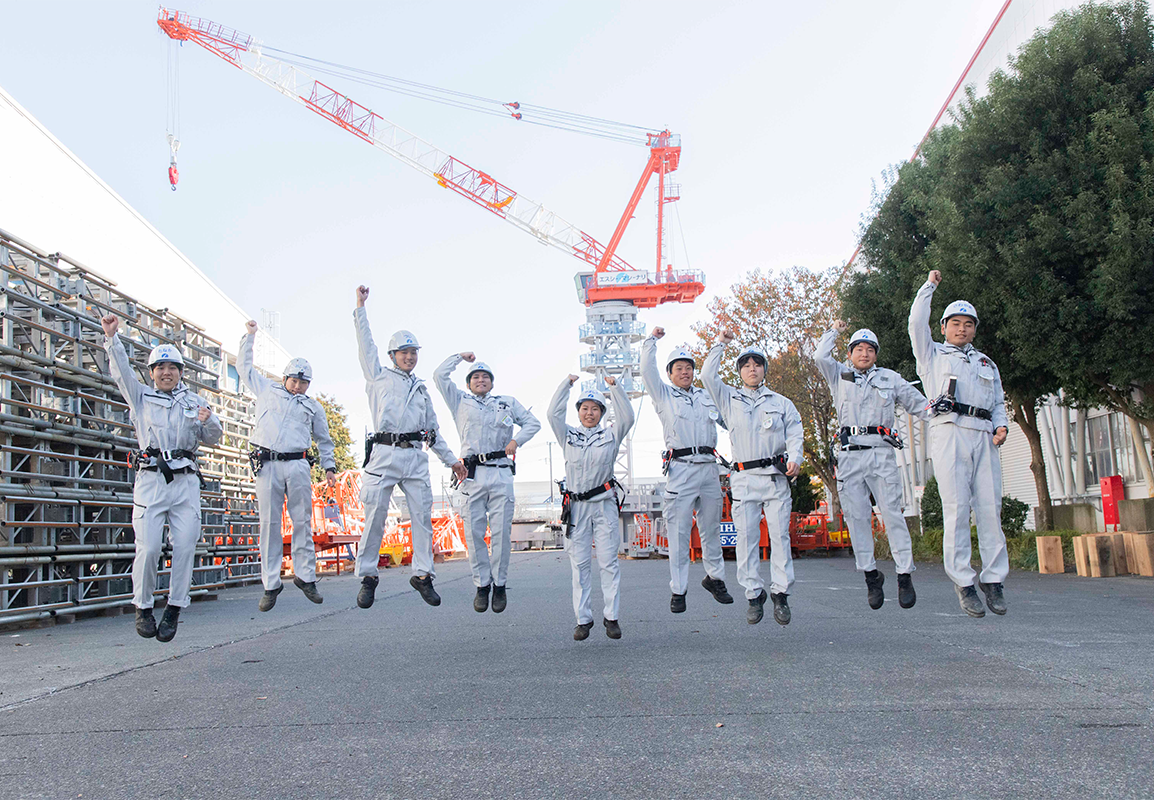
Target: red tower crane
[{"x": 611, "y": 277}]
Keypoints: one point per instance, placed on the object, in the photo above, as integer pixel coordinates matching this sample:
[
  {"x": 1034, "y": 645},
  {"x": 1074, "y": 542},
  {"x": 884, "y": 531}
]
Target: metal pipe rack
[{"x": 66, "y": 539}]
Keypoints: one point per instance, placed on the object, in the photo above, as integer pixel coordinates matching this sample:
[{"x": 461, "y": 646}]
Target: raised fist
[
  {"x": 362, "y": 296},
  {"x": 610, "y": 380},
  {"x": 840, "y": 325},
  {"x": 935, "y": 277},
  {"x": 251, "y": 326},
  {"x": 470, "y": 356},
  {"x": 111, "y": 325},
  {"x": 573, "y": 379},
  {"x": 658, "y": 333},
  {"x": 727, "y": 337}
]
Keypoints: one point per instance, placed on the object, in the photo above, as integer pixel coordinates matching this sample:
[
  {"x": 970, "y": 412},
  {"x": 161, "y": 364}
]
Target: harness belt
[
  {"x": 681, "y": 452},
  {"x": 888, "y": 435},
  {"x": 397, "y": 440},
  {"x": 778, "y": 462},
  {"x": 472, "y": 462},
  {"x": 945, "y": 405},
  {"x": 258, "y": 455},
  {"x": 162, "y": 457},
  {"x": 568, "y": 498}
]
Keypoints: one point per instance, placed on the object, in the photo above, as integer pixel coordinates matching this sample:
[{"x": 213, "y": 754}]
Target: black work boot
[
  {"x": 309, "y": 589},
  {"x": 268, "y": 599},
  {"x": 718, "y": 590},
  {"x": 481, "y": 601},
  {"x": 612, "y": 628},
  {"x": 145, "y": 623},
  {"x": 581, "y": 632},
  {"x": 499, "y": 599},
  {"x": 968, "y": 599},
  {"x": 781, "y": 608},
  {"x": 425, "y": 587},
  {"x": 874, "y": 593},
  {"x": 906, "y": 594},
  {"x": 756, "y": 609},
  {"x": 368, "y": 591},
  {"x": 166, "y": 630},
  {"x": 677, "y": 604},
  {"x": 994, "y": 598}
]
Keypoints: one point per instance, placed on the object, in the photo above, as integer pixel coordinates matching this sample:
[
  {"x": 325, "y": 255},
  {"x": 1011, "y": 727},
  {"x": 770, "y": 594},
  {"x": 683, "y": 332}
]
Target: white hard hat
[
  {"x": 402, "y": 339},
  {"x": 480, "y": 366},
  {"x": 752, "y": 350},
  {"x": 593, "y": 395},
  {"x": 864, "y": 335},
  {"x": 960, "y": 308},
  {"x": 300, "y": 369},
  {"x": 680, "y": 353},
  {"x": 165, "y": 352}
]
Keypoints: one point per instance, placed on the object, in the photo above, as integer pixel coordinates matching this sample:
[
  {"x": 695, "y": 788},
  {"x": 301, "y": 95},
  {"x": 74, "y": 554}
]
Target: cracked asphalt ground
[{"x": 405, "y": 700}]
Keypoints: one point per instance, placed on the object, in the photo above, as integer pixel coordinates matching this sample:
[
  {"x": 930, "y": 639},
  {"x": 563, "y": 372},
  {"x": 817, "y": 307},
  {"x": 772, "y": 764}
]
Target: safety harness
[
  {"x": 568, "y": 498},
  {"x": 472, "y": 462},
  {"x": 258, "y": 455},
  {"x": 162, "y": 457},
  {"x": 946, "y": 404},
  {"x": 778, "y": 462},
  {"x": 398, "y": 440},
  {"x": 681, "y": 452}
]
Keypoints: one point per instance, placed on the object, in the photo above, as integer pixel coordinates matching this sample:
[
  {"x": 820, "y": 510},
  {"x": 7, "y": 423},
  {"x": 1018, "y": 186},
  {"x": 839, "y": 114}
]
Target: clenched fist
[
  {"x": 658, "y": 333},
  {"x": 840, "y": 325},
  {"x": 935, "y": 277},
  {"x": 469, "y": 356},
  {"x": 362, "y": 296},
  {"x": 251, "y": 326},
  {"x": 111, "y": 325}
]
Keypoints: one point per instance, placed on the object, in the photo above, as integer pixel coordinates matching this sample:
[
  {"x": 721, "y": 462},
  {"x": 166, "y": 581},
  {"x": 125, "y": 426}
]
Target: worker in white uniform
[
  {"x": 170, "y": 421},
  {"x": 865, "y": 396},
  {"x": 689, "y": 422},
  {"x": 405, "y": 422},
  {"x": 590, "y": 508},
  {"x": 287, "y": 422},
  {"x": 765, "y": 436},
  {"x": 969, "y": 424},
  {"x": 485, "y": 423}
]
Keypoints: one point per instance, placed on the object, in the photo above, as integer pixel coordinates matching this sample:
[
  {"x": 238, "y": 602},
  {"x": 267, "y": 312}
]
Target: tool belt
[
  {"x": 162, "y": 457},
  {"x": 681, "y": 452},
  {"x": 888, "y": 436},
  {"x": 472, "y": 462},
  {"x": 568, "y": 498},
  {"x": 398, "y": 440},
  {"x": 258, "y": 455}
]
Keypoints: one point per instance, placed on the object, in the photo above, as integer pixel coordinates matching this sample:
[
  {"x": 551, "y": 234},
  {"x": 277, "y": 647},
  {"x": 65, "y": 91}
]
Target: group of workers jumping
[{"x": 967, "y": 421}]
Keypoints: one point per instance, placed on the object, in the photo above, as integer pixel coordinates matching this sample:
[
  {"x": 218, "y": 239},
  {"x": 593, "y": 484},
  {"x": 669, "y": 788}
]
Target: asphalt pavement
[{"x": 406, "y": 700}]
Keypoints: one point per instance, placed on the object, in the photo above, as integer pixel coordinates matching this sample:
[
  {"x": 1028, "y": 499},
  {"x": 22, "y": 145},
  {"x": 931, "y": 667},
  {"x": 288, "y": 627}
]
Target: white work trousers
[
  {"x": 969, "y": 477},
  {"x": 692, "y": 487},
  {"x": 154, "y": 503},
  {"x": 276, "y": 481},
  {"x": 595, "y": 522},
  {"x": 861, "y": 473},
  {"x": 408, "y": 469},
  {"x": 753, "y": 493},
  {"x": 488, "y": 505}
]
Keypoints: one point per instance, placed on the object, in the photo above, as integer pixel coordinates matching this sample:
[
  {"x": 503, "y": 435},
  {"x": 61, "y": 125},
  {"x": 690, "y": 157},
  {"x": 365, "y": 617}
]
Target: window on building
[
  {"x": 1123, "y": 447},
  {"x": 1099, "y": 461}
]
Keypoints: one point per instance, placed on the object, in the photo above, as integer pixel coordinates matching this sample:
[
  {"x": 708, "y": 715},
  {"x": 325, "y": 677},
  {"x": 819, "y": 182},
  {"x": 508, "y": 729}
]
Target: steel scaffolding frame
[{"x": 66, "y": 539}]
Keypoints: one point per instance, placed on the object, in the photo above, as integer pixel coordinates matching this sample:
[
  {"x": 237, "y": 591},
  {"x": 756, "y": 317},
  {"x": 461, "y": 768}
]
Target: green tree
[
  {"x": 783, "y": 314},
  {"x": 931, "y": 506},
  {"x": 339, "y": 433},
  {"x": 802, "y": 492}
]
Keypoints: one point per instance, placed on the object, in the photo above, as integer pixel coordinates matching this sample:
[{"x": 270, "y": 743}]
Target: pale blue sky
[{"x": 787, "y": 112}]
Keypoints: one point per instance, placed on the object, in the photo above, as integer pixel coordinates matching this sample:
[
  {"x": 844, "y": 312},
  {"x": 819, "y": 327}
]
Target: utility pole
[{"x": 550, "y": 473}]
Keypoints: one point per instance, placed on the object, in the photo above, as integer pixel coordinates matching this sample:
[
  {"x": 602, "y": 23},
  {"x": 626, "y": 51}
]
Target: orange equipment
[{"x": 339, "y": 520}]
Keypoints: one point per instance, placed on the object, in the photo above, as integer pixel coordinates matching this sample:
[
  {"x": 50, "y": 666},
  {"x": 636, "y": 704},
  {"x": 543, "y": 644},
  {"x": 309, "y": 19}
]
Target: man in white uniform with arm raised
[
  {"x": 485, "y": 423},
  {"x": 969, "y": 424},
  {"x": 689, "y": 421},
  {"x": 287, "y": 422},
  {"x": 405, "y": 422}
]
